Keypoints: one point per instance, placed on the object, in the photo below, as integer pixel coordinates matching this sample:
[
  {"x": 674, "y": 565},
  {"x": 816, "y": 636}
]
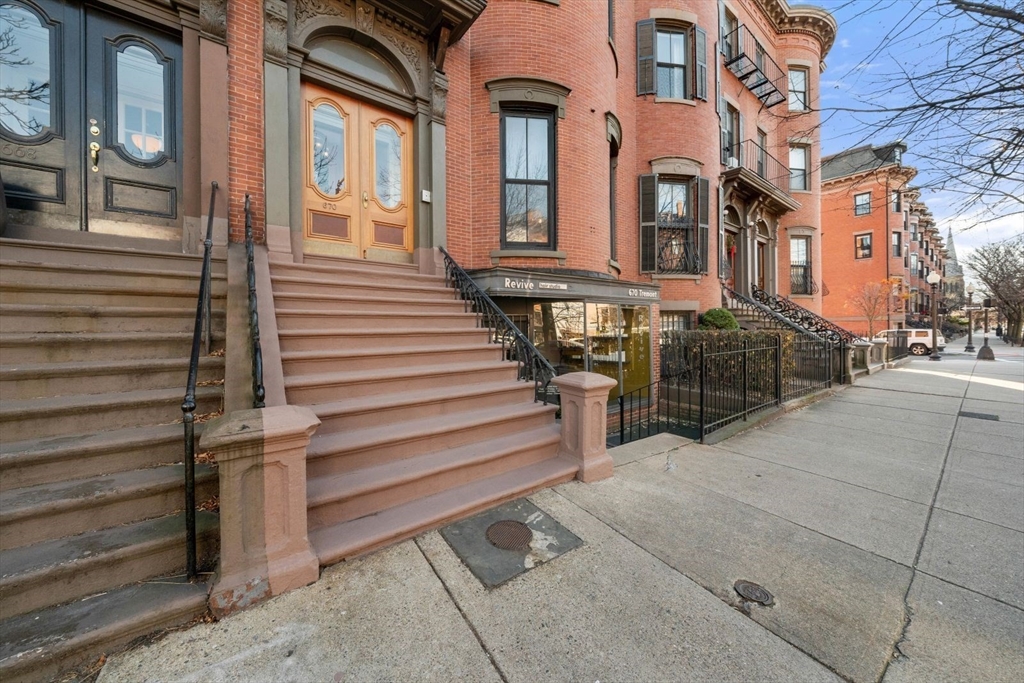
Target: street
[{"x": 886, "y": 520}]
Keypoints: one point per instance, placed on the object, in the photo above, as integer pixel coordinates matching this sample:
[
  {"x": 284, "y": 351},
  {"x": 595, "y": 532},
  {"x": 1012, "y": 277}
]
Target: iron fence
[{"x": 898, "y": 345}]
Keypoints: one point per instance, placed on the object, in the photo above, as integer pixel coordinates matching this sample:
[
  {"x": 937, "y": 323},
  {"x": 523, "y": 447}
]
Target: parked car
[{"x": 919, "y": 342}]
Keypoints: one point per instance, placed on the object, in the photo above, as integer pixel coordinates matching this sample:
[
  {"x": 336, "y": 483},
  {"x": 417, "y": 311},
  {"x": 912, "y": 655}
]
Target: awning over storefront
[{"x": 541, "y": 285}]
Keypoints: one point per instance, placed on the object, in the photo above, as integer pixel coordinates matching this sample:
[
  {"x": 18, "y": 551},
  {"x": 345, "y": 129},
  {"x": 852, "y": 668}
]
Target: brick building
[{"x": 880, "y": 240}]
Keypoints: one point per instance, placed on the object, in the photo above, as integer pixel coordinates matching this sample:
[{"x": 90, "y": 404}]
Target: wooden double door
[
  {"x": 90, "y": 120},
  {"x": 357, "y": 189}
]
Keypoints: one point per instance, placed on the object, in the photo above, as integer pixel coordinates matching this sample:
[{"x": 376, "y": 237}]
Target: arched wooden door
[{"x": 357, "y": 191}]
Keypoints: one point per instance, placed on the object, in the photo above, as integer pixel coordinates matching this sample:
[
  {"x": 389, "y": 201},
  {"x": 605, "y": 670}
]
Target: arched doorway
[{"x": 732, "y": 261}]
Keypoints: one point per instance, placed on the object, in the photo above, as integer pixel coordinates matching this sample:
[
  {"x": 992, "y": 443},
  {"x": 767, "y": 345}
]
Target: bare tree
[
  {"x": 876, "y": 301},
  {"x": 1000, "y": 268},
  {"x": 15, "y": 102},
  {"x": 955, "y": 96}
]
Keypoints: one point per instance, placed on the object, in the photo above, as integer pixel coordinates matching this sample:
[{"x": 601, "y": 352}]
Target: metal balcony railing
[
  {"x": 800, "y": 280},
  {"x": 747, "y": 59},
  {"x": 756, "y": 158},
  {"x": 678, "y": 250}
]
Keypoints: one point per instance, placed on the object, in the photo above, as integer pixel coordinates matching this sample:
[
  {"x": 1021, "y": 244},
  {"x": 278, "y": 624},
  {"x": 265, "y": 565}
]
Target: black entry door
[{"x": 96, "y": 145}]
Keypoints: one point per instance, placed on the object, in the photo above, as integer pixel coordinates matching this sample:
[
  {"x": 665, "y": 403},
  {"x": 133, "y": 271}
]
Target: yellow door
[{"x": 357, "y": 197}]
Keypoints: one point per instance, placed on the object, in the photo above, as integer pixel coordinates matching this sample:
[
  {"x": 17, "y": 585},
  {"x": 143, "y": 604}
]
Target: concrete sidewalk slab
[
  {"x": 842, "y": 605},
  {"x": 956, "y": 635},
  {"x": 1010, "y": 447},
  {"x": 900, "y": 415},
  {"x": 947, "y": 405},
  {"x": 984, "y": 499},
  {"x": 385, "y": 617},
  {"x": 876, "y": 522},
  {"x": 658, "y": 444},
  {"x": 911, "y": 476},
  {"x": 833, "y": 435},
  {"x": 977, "y": 555},
  {"x": 928, "y": 433},
  {"x": 609, "y": 611},
  {"x": 1007, "y": 412},
  {"x": 1010, "y": 430},
  {"x": 987, "y": 466}
]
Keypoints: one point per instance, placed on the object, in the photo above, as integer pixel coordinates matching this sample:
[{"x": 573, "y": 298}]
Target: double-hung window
[
  {"x": 674, "y": 217},
  {"x": 731, "y": 137},
  {"x": 862, "y": 204},
  {"x": 897, "y": 244},
  {"x": 671, "y": 61},
  {"x": 897, "y": 203},
  {"x": 798, "y": 99},
  {"x": 672, "y": 65},
  {"x": 799, "y": 178},
  {"x": 800, "y": 265},
  {"x": 527, "y": 179},
  {"x": 862, "y": 246}
]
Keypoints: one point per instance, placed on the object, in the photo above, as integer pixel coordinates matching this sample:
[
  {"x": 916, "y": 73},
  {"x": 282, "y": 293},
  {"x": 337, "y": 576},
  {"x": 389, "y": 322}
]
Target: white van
[{"x": 919, "y": 342}]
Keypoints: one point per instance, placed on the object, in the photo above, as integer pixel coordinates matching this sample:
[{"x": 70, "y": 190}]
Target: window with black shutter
[
  {"x": 671, "y": 60},
  {"x": 700, "y": 43},
  {"x": 674, "y": 223},
  {"x": 703, "y": 219}
]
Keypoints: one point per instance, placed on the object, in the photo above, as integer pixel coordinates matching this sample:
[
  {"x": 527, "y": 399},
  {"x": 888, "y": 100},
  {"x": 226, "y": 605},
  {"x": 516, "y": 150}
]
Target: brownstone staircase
[
  {"x": 94, "y": 344},
  {"x": 422, "y": 420}
]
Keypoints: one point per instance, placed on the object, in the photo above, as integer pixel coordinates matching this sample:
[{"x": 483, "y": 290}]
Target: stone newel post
[
  {"x": 584, "y": 423},
  {"x": 264, "y": 549}
]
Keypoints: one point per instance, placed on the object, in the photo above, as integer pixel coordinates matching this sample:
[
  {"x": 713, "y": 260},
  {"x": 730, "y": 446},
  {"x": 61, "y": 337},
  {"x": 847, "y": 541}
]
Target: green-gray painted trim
[
  {"x": 524, "y": 89},
  {"x": 295, "y": 157},
  {"x": 510, "y": 282},
  {"x": 276, "y": 136}
]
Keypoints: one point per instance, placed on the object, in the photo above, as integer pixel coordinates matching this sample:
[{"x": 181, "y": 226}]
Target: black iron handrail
[
  {"x": 188, "y": 405},
  {"x": 258, "y": 392},
  {"x": 533, "y": 367},
  {"x": 801, "y": 316},
  {"x": 749, "y": 61},
  {"x": 768, "y": 314}
]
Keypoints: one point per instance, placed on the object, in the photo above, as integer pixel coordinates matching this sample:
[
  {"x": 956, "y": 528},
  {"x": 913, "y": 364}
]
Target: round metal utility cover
[
  {"x": 509, "y": 534},
  {"x": 753, "y": 592}
]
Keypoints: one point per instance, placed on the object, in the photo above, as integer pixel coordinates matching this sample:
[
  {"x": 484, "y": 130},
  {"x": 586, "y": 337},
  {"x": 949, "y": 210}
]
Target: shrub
[{"x": 718, "y": 319}]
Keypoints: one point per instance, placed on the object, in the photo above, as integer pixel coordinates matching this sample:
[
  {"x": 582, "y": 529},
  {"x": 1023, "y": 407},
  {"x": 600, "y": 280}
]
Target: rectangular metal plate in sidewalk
[
  {"x": 502, "y": 543},
  {"x": 980, "y": 416}
]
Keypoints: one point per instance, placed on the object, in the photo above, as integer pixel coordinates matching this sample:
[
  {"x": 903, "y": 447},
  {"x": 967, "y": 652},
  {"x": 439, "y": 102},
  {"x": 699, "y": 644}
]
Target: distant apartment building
[{"x": 877, "y": 233}]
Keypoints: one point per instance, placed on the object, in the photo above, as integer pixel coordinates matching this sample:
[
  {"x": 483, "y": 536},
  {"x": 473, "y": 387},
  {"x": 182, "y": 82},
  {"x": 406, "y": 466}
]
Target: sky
[{"x": 854, "y": 71}]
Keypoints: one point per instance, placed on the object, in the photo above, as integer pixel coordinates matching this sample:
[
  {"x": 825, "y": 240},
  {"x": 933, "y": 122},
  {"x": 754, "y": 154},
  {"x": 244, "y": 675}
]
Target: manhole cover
[
  {"x": 509, "y": 534},
  {"x": 980, "y": 416},
  {"x": 753, "y": 592}
]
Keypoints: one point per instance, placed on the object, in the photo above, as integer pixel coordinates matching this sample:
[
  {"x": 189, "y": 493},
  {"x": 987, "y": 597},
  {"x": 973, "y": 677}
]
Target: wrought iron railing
[
  {"x": 258, "y": 391},
  {"x": 756, "y": 159},
  {"x": 678, "y": 250},
  {"x": 803, "y": 317},
  {"x": 767, "y": 314},
  {"x": 801, "y": 280},
  {"x": 748, "y": 60},
  {"x": 533, "y": 367},
  {"x": 204, "y": 320},
  {"x": 898, "y": 344}
]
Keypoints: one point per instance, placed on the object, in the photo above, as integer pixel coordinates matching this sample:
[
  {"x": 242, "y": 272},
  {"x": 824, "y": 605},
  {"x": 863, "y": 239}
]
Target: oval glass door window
[
  {"x": 388, "y": 159},
  {"x": 25, "y": 73},
  {"x": 328, "y": 154},
  {"x": 140, "y": 103}
]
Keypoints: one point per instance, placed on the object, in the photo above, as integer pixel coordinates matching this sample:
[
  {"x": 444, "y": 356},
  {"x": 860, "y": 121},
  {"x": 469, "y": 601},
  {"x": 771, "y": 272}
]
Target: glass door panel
[
  {"x": 560, "y": 334},
  {"x": 636, "y": 347},
  {"x": 604, "y": 343}
]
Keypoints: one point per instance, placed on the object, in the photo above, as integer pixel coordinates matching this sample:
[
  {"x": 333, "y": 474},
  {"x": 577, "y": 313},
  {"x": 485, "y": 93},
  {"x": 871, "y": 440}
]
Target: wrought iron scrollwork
[
  {"x": 533, "y": 367},
  {"x": 769, "y": 315},
  {"x": 806, "y": 319},
  {"x": 677, "y": 248}
]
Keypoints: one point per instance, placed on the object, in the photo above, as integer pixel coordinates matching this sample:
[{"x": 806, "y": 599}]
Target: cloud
[{"x": 844, "y": 43}]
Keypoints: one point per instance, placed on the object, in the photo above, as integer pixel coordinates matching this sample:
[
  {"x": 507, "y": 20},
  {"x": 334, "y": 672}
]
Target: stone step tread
[
  {"x": 414, "y": 430},
  {"x": 104, "y": 367},
  {"x": 87, "y": 551},
  {"x": 69, "y": 310},
  {"x": 387, "y": 351},
  {"x": 74, "y": 494},
  {"x": 64, "y": 269},
  {"x": 374, "y": 403},
  {"x": 335, "y": 487},
  {"x": 431, "y": 285},
  {"x": 302, "y": 297},
  {"x": 42, "y": 246},
  {"x": 390, "y": 315},
  {"x": 77, "y": 403},
  {"x": 377, "y": 332},
  {"x": 340, "y": 264},
  {"x": 62, "y": 338},
  {"x": 39, "y": 641},
  {"x": 124, "y": 288},
  {"x": 13, "y": 453},
  {"x": 391, "y": 374},
  {"x": 340, "y": 541}
]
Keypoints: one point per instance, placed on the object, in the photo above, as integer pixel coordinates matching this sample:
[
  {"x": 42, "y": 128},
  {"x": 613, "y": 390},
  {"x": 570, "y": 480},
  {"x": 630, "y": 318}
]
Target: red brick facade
[{"x": 245, "y": 116}]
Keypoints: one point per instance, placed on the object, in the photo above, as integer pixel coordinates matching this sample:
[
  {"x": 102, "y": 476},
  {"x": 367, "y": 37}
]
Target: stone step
[
  {"x": 111, "y": 274},
  {"x": 338, "y": 452},
  {"x": 369, "y": 271},
  {"x": 125, "y": 293},
  {"x": 385, "y": 358},
  {"x": 67, "y": 347},
  {"x": 88, "y": 413},
  {"x": 285, "y": 301},
  {"x": 387, "y": 409},
  {"x": 49, "y": 460},
  {"x": 313, "y": 319},
  {"x": 31, "y": 380},
  {"x": 98, "y": 257},
  {"x": 338, "y": 283},
  {"x": 376, "y": 338},
  {"x": 42, "y": 645},
  {"x": 359, "y": 536},
  {"x": 50, "y": 511},
  {"x": 66, "y": 569},
  {"x": 49, "y": 318},
  {"x": 342, "y": 497},
  {"x": 324, "y": 387}
]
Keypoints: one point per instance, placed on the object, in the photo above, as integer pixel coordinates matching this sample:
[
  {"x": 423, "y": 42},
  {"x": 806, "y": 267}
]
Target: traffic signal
[{"x": 987, "y": 303}]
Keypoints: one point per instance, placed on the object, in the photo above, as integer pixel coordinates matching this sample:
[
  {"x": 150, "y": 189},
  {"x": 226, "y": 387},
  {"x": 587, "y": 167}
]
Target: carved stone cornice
[
  {"x": 275, "y": 31},
  {"x": 807, "y": 19},
  {"x": 306, "y": 10},
  {"x": 213, "y": 18},
  {"x": 439, "y": 97}
]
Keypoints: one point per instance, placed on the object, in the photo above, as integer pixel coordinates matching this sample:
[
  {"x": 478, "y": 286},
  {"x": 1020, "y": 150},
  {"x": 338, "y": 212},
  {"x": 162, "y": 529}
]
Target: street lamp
[
  {"x": 970, "y": 320},
  {"x": 933, "y": 280}
]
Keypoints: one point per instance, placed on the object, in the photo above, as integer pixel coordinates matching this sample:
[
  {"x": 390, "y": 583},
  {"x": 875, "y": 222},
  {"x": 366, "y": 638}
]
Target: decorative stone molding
[
  {"x": 529, "y": 90},
  {"x": 677, "y": 15},
  {"x": 676, "y": 166},
  {"x": 275, "y": 30},
  {"x": 584, "y": 398},
  {"x": 806, "y": 19},
  {"x": 409, "y": 42},
  {"x": 364, "y": 17},
  {"x": 213, "y": 18},
  {"x": 439, "y": 97},
  {"x": 614, "y": 131},
  {"x": 306, "y": 10}
]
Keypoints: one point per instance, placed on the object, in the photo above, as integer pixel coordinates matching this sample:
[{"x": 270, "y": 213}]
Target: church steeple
[{"x": 952, "y": 265}]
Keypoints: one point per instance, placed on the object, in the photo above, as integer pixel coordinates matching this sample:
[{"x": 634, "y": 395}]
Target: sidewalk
[{"x": 888, "y": 525}]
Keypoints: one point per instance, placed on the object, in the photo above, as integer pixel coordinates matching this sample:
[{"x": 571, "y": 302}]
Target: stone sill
[
  {"x": 674, "y": 100},
  {"x": 680, "y": 276},
  {"x": 498, "y": 254}
]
